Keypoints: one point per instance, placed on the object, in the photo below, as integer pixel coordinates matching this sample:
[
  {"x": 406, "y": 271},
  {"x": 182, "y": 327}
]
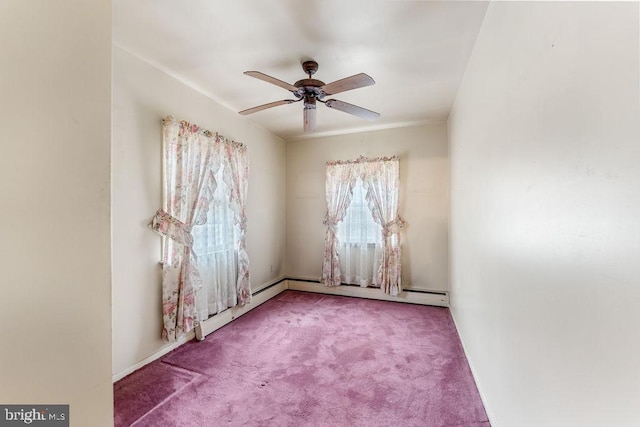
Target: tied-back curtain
[
  {"x": 236, "y": 177},
  {"x": 382, "y": 183},
  {"x": 193, "y": 156},
  {"x": 340, "y": 180},
  {"x": 189, "y": 165}
]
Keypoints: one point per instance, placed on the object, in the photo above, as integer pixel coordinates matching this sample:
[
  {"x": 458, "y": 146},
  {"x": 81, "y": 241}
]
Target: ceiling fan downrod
[{"x": 310, "y": 67}]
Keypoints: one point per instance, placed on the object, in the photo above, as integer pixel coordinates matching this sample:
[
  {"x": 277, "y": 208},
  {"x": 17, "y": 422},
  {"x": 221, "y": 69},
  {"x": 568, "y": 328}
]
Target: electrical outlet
[{"x": 271, "y": 268}]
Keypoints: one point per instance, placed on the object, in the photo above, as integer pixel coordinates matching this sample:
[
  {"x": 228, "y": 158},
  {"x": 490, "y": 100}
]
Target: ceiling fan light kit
[
  {"x": 311, "y": 90},
  {"x": 309, "y": 118}
]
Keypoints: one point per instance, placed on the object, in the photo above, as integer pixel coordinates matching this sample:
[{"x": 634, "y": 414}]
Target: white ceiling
[{"x": 416, "y": 51}]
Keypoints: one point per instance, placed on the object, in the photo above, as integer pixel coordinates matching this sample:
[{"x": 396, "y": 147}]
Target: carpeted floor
[{"x": 304, "y": 359}]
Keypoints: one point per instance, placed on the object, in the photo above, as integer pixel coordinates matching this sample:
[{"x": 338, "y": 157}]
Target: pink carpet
[{"x": 304, "y": 359}]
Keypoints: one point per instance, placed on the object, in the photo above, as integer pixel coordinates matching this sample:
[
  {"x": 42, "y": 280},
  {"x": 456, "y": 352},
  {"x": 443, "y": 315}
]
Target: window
[
  {"x": 364, "y": 256},
  {"x": 360, "y": 241},
  {"x": 205, "y": 269}
]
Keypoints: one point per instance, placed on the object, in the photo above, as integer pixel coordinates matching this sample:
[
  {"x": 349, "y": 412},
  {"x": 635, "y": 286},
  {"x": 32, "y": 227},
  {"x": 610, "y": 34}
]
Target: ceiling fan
[{"x": 311, "y": 90}]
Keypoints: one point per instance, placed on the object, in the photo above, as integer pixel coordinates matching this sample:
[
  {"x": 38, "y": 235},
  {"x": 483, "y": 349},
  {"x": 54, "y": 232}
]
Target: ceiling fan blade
[
  {"x": 352, "y": 109},
  {"x": 348, "y": 83},
  {"x": 265, "y": 106},
  {"x": 272, "y": 80}
]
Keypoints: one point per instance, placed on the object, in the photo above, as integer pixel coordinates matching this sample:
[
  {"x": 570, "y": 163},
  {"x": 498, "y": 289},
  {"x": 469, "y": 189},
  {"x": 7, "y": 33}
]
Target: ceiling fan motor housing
[{"x": 309, "y": 87}]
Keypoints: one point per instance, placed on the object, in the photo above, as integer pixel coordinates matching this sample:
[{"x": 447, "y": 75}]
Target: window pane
[
  {"x": 358, "y": 225},
  {"x": 217, "y": 234}
]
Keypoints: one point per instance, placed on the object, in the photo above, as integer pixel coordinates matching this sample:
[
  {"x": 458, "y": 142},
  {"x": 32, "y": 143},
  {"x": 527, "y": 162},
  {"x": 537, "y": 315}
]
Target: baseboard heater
[
  {"x": 422, "y": 291},
  {"x": 410, "y": 296},
  {"x": 259, "y": 291}
]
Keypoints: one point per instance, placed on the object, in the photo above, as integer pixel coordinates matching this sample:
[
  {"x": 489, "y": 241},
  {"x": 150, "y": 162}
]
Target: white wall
[
  {"x": 55, "y": 308},
  {"x": 545, "y": 189},
  {"x": 424, "y": 199},
  {"x": 142, "y": 95}
]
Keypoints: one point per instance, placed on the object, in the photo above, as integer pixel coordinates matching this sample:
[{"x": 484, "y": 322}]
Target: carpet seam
[
  {"x": 174, "y": 365},
  {"x": 170, "y": 396}
]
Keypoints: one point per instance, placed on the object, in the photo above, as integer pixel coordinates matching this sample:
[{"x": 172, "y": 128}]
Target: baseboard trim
[
  {"x": 407, "y": 296},
  {"x": 473, "y": 372},
  {"x": 158, "y": 354}
]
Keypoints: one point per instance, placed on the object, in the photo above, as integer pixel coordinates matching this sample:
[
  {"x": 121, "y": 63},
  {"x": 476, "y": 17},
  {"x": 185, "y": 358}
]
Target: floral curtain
[
  {"x": 339, "y": 189},
  {"x": 192, "y": 157},
  {"x": 381, "y": 180},
  {"x": 236, "y": 177}
]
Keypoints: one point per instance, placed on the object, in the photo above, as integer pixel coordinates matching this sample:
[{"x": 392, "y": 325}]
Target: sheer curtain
[
  {"x": 360, "y": 241},
  {"x": 214, "y": 245},
  {"x": 205, "y": 182}
]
